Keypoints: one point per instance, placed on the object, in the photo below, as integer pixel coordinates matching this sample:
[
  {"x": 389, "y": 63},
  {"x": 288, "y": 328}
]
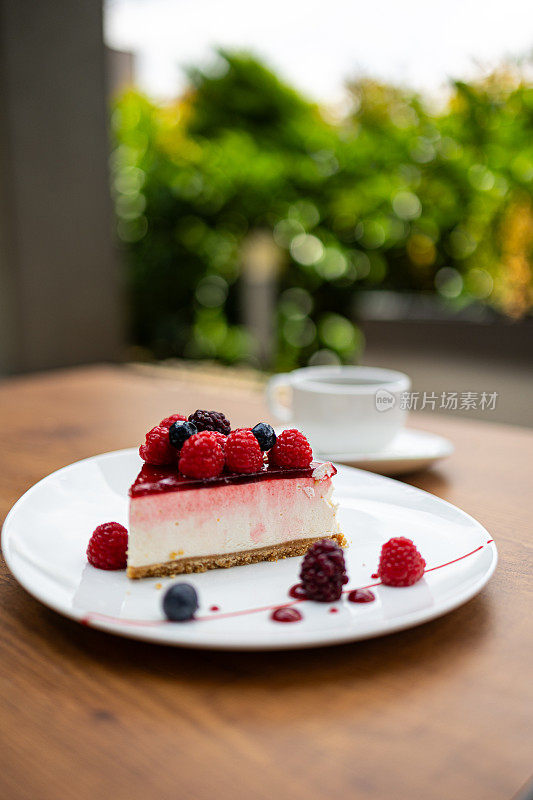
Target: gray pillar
[
  {"x": 260, "y": 266},
  {"x": 59, "y": 288}
]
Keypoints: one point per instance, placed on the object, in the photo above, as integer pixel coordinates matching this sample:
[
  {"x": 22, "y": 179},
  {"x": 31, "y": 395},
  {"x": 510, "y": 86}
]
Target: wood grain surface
[{"x": 440, "y": 711}]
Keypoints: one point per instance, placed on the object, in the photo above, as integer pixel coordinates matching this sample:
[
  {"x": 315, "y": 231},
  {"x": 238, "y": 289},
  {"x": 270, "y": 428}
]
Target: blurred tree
[{"x": 392, "y": 196}]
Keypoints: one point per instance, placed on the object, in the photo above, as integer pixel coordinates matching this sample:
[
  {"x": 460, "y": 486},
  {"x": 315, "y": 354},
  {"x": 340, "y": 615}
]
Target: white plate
[
  {"x": 46, "y": 533},
  {"x": 409, "y": 450}
]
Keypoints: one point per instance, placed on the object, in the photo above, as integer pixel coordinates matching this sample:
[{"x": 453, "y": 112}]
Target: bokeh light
[
  {"x": 406, "y": 205},
  {"x": 212, "y": 291},
  {"x": 306, "y": 249},
  {"x": 449, "y": 282}
]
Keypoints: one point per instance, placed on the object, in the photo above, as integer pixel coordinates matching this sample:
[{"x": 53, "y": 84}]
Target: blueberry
[
  {"x": 179, "y": 432},
  {"x": 265, "y": 435},
  {"x": 180, "y": 602}
]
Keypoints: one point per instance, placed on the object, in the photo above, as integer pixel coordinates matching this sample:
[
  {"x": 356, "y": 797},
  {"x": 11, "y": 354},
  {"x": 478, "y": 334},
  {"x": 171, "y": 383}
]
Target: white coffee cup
[{"x": 342, "y": 410}]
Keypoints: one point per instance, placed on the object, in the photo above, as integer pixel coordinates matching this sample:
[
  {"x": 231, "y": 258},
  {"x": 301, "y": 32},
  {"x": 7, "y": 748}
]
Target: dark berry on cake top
[
  {"x": 210, "y": 421},
  {"x": 265, "y": 435},
  {"x": 180, "y": 431}
]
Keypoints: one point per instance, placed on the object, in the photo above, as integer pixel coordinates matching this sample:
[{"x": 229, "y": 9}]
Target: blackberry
[
  {"x": 265, "y": 435},
  {"x": 210, "y": 421},
  {"x": 323, "y": 571},
  {"x": 180, "y": 431},
  {"x": 180, "y": 602}
]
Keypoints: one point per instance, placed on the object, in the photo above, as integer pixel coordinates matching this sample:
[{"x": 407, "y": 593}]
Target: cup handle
[{"x": 283, "y": 413}]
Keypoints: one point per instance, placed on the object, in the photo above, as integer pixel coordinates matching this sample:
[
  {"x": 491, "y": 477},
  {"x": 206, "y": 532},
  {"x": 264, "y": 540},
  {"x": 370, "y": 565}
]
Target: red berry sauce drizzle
[{"x": 86, "y": 620}]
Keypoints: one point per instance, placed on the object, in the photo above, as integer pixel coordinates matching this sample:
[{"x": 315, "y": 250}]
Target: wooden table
[{"x": 439, "y": 711}]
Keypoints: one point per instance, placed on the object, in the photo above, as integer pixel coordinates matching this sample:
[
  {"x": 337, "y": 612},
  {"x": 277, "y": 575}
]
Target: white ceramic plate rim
[{"x": 171, "y": 633}]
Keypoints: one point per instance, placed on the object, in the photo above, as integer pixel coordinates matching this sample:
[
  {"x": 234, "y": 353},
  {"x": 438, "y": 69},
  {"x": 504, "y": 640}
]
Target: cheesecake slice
[{"x": 181, "y": 525}]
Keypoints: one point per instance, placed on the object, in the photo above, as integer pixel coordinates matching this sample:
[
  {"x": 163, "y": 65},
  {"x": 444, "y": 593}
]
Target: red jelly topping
[
  {"x": 156, "y": 480},
  {"x": 286, "y": 615},
  {"x": 361, "y": 596},
  {"x": 297, "y": 591}
]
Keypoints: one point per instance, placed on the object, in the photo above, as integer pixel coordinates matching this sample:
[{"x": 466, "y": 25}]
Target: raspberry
[
  {"x": 323, "y": 571},
  {"x": 168, "y": 421},
  {"x": 201, "y": 456},
  {"x": 108, "y": 546},
  {"x": 291, "y": 450},
  {"x": 210, "y": 421},
  {"x": 400, "y": 563},
  {"x": 243, "y": 451},
  {"x": 221, "y": 439},
  {"x": 157, "y": 448}
]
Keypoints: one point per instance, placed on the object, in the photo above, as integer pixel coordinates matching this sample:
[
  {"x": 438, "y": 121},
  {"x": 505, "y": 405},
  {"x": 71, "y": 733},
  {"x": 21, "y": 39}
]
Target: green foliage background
[{"x": 391, "y": 195}]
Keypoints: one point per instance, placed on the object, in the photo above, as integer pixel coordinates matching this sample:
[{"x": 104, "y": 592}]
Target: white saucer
[
  {"x": 409, "y": 451},
  {"x": 45, "y": 537}
]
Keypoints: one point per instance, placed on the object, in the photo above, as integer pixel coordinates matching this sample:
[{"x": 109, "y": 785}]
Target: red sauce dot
[
  {"x": 214, "y": 608},
  {"x": 361, "y": 596},
  {"x": 297, "y": 591},
  {"x": 286, "y": 615},
  {"x": 334, "y": 611},
  {"x": 375, "y": 575}
]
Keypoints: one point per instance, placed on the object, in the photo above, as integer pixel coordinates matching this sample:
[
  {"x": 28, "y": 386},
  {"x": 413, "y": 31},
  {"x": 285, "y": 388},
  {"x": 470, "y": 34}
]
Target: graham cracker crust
[{"x": 203, "y": 563}]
